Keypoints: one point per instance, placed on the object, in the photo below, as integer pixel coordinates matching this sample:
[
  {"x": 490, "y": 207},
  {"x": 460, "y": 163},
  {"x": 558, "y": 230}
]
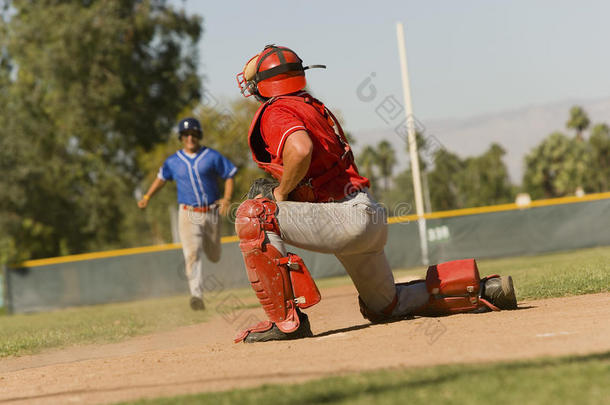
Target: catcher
[{"x": 320, "y": 203}]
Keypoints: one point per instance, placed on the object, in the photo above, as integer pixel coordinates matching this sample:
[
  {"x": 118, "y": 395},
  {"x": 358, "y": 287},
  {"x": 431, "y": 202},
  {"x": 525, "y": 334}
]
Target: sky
[{"x": 466, "y": 58}]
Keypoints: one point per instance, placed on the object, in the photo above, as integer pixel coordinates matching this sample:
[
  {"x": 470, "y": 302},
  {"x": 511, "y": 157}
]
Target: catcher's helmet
[
  {"x": 189, "y": 124},
  {"x": 275, "y": 71}
]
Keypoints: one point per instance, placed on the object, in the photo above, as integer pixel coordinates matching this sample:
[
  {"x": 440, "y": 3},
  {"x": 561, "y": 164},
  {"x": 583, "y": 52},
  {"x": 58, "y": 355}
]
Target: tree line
[
  {"x": 88, "y": 116},
  {"x": 560, "y": 165},
  {"x": 86, "y": 88}
]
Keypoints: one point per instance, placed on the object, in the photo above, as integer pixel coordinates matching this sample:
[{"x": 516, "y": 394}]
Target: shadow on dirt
[{"x": 343, "y": 330}]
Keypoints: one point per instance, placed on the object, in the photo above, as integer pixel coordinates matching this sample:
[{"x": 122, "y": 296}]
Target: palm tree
[
  {"x": 386, "y": 160},
  {"x": 579, "y": 120},
  {"x": 367, "y": 160}
]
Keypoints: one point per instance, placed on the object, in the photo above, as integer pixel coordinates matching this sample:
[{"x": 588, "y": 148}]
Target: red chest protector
[{"x": 327, "y": 178}]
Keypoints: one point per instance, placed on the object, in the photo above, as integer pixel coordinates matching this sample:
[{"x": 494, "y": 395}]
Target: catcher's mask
[{"x": 275, "y": 71}]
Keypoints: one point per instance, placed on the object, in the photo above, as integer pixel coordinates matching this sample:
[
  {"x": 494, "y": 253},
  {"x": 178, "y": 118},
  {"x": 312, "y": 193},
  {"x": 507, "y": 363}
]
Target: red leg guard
[
  {"x": 305, "y": 290},
  {"x": 275, "y": 279},
  {"x": 454, "y": 287}
]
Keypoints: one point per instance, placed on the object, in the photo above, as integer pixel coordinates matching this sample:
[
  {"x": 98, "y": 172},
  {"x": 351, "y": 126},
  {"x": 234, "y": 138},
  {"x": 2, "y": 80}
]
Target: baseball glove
[{"x": 262, "y": 188}]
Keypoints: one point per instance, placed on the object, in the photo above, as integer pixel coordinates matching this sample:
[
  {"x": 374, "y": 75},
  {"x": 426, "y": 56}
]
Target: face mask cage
[{"x": 247, "y": 88}]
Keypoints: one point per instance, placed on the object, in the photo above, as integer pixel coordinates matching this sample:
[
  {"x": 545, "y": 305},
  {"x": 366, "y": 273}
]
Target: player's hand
[
  {"x": 143, "y": 202},
  {"x": 279, "y": 196},
  {"x": 223, "y": 206}
]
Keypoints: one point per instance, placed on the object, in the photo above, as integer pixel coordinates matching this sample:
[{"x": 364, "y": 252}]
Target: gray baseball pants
[
  {"x": 354, "y": 230},
  {"x": 199, "y": 234}
]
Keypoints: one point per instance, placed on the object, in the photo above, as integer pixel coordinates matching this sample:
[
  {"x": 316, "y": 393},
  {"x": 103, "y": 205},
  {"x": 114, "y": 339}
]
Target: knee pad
[{"x": 253, "y": 218}]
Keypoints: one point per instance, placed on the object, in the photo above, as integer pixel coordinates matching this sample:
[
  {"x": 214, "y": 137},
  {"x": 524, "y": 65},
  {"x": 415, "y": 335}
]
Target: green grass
[
  {"x": 585, "y": 271},
  {"x": 552, "y": 275},
  {"x": 28, "y": 333},
  {"x": 555, "y": 275},
  {"x": 568, "y": 380}
]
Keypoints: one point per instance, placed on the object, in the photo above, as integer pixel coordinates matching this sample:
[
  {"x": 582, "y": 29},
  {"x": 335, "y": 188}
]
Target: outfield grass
[
  {"x": 578, "y": 272},
  {"x": 28, "y": 333},
  {"x": 562, "y": 274},
  {"x": 567, "y": 380},
  {"x": 551, "y": 275}
]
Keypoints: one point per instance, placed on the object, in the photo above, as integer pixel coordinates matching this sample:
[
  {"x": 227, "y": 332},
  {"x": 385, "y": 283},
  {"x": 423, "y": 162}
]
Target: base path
[{"x": 204, "y": 358}]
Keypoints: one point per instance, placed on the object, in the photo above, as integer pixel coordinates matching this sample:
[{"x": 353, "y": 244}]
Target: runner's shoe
[{"x": 197, "y": 304}]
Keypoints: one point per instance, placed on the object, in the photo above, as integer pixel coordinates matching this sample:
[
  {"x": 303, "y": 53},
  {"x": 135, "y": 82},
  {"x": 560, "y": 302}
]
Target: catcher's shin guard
[
  {"x": 281, "y": 282},
  {"x": 456, "y": 287}
]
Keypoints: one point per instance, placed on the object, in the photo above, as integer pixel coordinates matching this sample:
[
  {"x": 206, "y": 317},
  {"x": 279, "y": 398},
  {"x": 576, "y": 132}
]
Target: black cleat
[
  {"x": 500, "y": 292},
  {"x": 197, "y": 304},
  {"x": 275, "y": 333}
]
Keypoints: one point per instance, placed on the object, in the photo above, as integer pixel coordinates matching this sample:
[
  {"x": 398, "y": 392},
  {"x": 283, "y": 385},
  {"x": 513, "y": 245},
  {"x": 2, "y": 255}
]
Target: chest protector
[{"x": 331, "y": 160}]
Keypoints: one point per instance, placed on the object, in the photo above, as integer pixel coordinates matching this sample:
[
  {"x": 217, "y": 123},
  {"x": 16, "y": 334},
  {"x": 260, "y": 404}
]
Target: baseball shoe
[
  {"x": 275, "y": 333},
  {"x": 197, "y": 304},
  {"x": 500, "y": 292}
]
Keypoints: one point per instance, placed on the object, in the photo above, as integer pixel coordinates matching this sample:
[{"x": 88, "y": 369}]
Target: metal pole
[{"x": 406, "y": 90}]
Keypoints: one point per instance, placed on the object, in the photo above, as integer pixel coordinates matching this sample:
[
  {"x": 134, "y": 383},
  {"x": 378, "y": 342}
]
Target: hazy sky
[{"x": 465, "y": 57}]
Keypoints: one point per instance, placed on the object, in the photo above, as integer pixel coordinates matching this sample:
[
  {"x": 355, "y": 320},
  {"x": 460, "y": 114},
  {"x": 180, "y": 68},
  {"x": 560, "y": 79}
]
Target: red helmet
[{"x": 275, "y": 71}]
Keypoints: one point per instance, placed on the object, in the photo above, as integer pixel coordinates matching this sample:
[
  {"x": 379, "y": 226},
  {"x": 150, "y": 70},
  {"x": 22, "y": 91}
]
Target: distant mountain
[{"x": 518, "y": 131}]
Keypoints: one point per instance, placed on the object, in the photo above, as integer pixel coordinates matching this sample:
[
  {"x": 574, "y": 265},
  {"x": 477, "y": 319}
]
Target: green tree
[
  {"x": 366, "y": 161},
  {"x": 84, "y": 96},
  {"x": 386, "y": 160},
  {"x": 475, "y": 181},
  {"x": 557, "y": 167},
  {"x": 484, "y": 180},
  {"x": 599, "y": 142},
  {"x": 579, "y": 121},
  {"x": 400, "y": 199},
  {"x": 444, "y": 181}
]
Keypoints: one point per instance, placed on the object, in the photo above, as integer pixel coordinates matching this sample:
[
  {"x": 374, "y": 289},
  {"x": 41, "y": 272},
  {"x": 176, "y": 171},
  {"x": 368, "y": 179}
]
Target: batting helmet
[
  {"x": 187, "y": 125},
  {"x": 275, "y": 71}
]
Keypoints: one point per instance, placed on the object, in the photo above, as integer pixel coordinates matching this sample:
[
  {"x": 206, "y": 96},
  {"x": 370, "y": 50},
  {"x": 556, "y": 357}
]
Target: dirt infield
[{"x": 203, "y": 358}]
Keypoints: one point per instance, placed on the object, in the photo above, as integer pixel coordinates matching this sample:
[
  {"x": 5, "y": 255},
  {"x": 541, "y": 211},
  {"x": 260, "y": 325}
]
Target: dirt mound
[{"x": 203, "y": 358}]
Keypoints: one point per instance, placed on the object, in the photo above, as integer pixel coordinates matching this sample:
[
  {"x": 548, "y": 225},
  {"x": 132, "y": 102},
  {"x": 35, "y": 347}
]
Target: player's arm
[
  {"x": 296, "y": 157},
  {"x": 225, "y": 201},
  {"x": 154, "y": 187}
]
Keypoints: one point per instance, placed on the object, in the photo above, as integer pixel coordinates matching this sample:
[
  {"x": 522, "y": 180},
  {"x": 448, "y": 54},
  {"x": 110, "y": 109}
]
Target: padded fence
[{"x": 133, "y": 274}]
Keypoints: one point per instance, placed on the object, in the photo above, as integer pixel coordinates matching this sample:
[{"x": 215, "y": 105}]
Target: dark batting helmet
[{"x": 188, "y": 125}]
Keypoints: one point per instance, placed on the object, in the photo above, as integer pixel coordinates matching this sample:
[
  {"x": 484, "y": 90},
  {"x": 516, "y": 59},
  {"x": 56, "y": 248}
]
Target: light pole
[{"x": 406, "y": 90}]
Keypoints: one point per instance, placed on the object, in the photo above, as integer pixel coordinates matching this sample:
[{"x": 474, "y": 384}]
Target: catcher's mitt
[{"x": 262, "y": 188}]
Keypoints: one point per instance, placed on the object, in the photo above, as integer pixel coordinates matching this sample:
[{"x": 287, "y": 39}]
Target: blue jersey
[{"x": 196, "y": 177}]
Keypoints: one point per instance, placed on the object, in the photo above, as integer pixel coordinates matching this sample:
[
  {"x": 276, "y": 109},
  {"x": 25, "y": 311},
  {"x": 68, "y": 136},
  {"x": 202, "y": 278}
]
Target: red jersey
[{"x": 332, "y": 174}]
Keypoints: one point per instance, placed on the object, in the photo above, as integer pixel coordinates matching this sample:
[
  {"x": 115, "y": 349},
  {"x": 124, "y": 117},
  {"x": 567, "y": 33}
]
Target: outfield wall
[{"x": 148, "y": 272}]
